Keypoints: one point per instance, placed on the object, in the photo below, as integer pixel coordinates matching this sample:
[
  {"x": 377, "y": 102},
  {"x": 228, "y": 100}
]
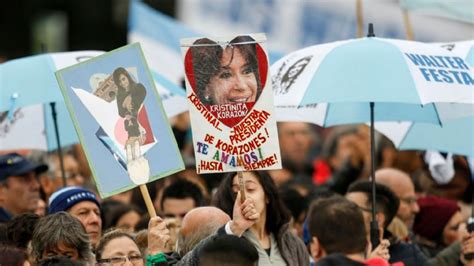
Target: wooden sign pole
[
  {"x": 149, "y": 204},
  {"x": 241, "y": 186}
]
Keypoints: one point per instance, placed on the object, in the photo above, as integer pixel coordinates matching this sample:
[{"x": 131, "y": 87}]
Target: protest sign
[
  {"x": 231, "y": 104},
  {"x": 120, "y": 121}
]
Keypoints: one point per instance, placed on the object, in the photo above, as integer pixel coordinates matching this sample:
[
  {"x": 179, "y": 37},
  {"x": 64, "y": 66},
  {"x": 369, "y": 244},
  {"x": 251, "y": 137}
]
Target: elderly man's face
[
  {"x": 20, "y": 194},
  {"x": 88, "y": 214}
]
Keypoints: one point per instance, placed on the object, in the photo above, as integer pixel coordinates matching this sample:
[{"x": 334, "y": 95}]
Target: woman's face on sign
[
  {"x": 235, "y": 83},
  {"x": 124, "y": 81}
]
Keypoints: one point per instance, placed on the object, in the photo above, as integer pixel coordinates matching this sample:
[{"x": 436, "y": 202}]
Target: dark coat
[{"x": 409, "y": 254}]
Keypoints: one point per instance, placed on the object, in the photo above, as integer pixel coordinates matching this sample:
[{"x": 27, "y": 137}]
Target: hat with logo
[
  {"x": 67, "y": 197},
  {"x": 13, "y": 164}
]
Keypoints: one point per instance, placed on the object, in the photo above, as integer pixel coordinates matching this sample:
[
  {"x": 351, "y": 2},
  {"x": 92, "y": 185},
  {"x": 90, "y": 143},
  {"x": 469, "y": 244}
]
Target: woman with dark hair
[
  {"x": 125, "y": 217},
  {"x": 270, "y": 234},
  {"x": 226, "y": 75},
  {"x": 130, "y": 97}
]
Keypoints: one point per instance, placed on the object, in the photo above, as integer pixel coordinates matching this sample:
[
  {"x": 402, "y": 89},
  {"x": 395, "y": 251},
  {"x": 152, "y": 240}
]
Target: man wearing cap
[
  {"x": 19, "y": 187},
  {"x": 83, "y": 205}
]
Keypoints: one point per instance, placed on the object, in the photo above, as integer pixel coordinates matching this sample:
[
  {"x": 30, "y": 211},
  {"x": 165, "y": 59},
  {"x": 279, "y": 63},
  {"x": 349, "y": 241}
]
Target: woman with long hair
[
  {"x": 130, "y": 97},
  {"x": 271, "y": 235}
]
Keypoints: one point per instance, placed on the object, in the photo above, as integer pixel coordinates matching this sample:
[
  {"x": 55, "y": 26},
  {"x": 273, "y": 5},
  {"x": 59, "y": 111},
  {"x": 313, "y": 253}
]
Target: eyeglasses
[{"x": 120, "y": 260}]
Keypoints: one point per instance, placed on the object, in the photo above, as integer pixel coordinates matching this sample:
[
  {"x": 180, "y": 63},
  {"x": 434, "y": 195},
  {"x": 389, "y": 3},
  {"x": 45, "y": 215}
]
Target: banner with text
[{"x": 231, "y": 104}]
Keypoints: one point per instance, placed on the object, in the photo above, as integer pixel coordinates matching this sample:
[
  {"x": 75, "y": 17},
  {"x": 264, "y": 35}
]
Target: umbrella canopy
[
  {"x": 454, "y": 136},
  {"x": 31, "y": 80},
  {"x": 32, "y": 127},
  {"x": 402, "y": 78}
]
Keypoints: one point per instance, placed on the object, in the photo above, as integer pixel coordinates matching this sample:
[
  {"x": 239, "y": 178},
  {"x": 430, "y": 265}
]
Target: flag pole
[
  {"x": 408, "y": 26},
  {"x": 360, "y": 19}
]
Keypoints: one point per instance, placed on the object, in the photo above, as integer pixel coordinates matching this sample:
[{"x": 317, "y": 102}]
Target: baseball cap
[{"x": 13, "y": 164}]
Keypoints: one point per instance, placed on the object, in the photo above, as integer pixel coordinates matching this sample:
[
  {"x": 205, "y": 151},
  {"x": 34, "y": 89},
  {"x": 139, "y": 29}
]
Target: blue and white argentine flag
[{"x": 159, "y": 37}]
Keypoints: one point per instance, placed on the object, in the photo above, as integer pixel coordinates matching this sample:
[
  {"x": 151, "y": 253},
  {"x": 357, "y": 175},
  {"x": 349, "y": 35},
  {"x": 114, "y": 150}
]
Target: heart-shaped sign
[{"x": 227, "y": 79}]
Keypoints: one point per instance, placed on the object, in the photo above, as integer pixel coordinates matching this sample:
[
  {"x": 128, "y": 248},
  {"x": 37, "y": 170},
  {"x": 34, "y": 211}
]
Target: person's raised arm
[
  {"x": 158, "y": 236},
  {"x": 244, "y": 216}
]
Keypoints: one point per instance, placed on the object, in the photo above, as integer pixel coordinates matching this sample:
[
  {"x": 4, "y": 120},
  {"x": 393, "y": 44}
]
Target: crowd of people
[{"x": 316, "y": 210}]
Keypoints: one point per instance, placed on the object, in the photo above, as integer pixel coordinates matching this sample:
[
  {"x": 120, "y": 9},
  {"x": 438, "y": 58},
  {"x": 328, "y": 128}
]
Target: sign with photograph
[
  {"x": 231, "y": 104},
  {"x": 120, "y": 120}
]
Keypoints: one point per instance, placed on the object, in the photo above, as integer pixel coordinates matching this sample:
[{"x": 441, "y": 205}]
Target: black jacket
[{"x": 409, "y": 254}]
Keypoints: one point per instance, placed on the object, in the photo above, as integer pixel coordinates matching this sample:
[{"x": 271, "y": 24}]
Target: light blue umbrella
[
  {"x": 401, "y": 78},
  {"x": 30, "y": 72},
  {"x": 32, "y": 127},
  {"x": 456, "y": 135},
  {"x": 371, "y": 79}
]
